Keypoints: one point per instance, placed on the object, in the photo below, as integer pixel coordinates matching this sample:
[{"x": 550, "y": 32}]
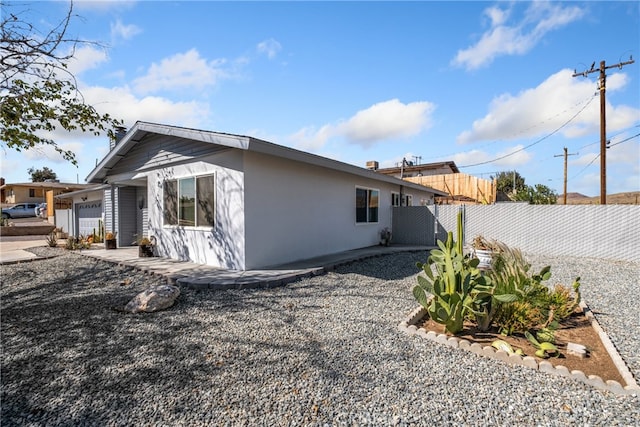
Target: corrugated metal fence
[{"x": 607, "y": 232}]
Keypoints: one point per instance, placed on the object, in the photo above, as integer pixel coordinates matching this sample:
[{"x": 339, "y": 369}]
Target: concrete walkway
[
  {"x": 12, "y": 248},
  {"x": 199, "y": 276}
]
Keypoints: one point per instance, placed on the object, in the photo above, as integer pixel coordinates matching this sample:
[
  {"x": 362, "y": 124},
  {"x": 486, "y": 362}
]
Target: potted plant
[
  {"x": 483, "y": 249},
  {"x": 110, "y": 240},
  {"x": 145, "y": 247},
  {"x": 385, "y": 237}
]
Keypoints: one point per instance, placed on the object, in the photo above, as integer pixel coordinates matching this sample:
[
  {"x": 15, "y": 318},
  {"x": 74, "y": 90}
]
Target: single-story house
[
  {"x": 238, "y": 202},
  {"x": 35, "y": 192}
]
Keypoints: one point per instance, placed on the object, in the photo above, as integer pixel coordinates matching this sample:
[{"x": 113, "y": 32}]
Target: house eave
[
  {"x": 140, "y": 129},
  {"x": 80, "y": 192}
]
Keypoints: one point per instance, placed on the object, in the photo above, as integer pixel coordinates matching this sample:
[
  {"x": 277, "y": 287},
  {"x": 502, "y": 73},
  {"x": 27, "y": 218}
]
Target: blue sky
[{"x": 486, "y": 84}]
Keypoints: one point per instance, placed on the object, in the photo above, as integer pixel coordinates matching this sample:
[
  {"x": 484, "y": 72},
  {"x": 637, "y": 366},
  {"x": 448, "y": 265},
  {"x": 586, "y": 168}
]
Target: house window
[
  {"x": 189, "y": 201},
  {"x": 405, "y": 200},
  {"x": 367, "y": 205},
  {"x": 32, "y": 192},
  {"x": 395, "y": 199}
]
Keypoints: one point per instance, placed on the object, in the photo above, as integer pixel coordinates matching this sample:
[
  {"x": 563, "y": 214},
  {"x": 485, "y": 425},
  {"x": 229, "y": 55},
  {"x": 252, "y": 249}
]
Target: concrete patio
[{"x": 200, "y": 276}]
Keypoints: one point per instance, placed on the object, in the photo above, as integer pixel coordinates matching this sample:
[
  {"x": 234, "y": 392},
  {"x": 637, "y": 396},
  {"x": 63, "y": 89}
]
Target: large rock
[{"x": 153, "y": 299}]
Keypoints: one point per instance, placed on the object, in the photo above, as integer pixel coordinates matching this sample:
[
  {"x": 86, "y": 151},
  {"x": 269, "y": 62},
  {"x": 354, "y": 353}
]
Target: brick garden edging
[{"x": 409, "y": 327}]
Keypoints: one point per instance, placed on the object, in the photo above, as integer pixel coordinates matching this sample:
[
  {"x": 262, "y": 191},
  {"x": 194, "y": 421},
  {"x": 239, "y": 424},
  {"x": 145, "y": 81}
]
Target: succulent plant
[{"x": 451, "y": 285}]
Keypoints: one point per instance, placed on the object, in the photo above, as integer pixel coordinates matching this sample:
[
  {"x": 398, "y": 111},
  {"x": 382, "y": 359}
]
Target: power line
[
  {"x": 603, "y": 119},
  {"x": 533, "y": 143},
  {"x": 586, "y": 100},
  {"x": 624, "y": 140},
  {"x": 598, "y": 155}
]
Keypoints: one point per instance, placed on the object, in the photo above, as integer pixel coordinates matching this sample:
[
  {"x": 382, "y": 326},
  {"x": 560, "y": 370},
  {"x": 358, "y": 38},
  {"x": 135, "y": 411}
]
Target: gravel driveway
[{"x": 321, "y": 351}]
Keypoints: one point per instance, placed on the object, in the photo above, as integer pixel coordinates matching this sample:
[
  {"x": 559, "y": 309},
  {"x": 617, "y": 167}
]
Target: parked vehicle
[
  {"x": 41, "y": 210},
  {"x": 21, "y": 210}
]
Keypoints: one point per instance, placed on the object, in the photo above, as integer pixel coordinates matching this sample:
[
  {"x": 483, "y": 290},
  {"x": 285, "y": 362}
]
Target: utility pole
[
  {"x": 565, "y": 172},
  {"x": 603, "y": 120}
]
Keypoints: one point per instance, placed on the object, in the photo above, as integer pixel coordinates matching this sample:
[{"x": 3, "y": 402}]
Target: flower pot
[
  {"x": 145, "y": 251},
  {"x": 110, "y": 244},
  {"x": 485, "y": 256}
]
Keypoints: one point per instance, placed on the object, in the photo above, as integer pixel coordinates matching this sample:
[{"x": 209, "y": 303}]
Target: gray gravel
[{"x": 321, "y": 351}]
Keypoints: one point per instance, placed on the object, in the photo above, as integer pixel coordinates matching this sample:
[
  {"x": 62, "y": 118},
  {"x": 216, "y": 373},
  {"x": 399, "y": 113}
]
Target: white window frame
[
  {"x": 370, "y": 193},
  {"x": 196, "y": 225},
  {"x": 396, "y": 201}
]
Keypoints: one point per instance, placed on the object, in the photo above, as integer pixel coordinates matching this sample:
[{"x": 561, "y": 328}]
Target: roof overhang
[
  {"x": 83, "y": 191},
  {"x": 141, "y": 129}
]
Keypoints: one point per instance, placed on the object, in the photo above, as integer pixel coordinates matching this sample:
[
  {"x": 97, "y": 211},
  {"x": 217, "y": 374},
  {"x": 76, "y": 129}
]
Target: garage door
[{"x": 88, "y": 217}]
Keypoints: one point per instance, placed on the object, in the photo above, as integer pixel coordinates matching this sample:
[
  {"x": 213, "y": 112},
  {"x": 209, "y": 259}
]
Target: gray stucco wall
[{"x": 295, "y": 211}]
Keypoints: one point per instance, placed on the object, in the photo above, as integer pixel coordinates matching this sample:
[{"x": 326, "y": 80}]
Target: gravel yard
[{"x": 321, "y": 351}]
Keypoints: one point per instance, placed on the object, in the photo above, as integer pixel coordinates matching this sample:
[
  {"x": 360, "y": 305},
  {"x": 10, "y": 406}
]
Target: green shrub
[{"x": 519, "y": 301}]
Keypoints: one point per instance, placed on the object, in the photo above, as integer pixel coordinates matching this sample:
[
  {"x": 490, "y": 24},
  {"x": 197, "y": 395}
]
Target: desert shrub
[
  {"x": 52, "y": 239},
  {"x": 522, "y": 301},
  {"x": 81, "y": 242},
  {"x": 518, "y": 317}
]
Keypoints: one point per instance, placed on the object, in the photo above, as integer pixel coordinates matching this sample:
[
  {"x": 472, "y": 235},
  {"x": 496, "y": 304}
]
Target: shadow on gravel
[
  {"x": 403, "y": 266},
  {"x": 69, "y": 358}
]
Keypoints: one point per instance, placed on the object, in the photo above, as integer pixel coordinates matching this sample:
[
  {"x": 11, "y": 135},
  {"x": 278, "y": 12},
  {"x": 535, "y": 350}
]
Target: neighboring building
[
  {"x": 241, "y": 203},
  {"x": 35, "y": 192},
  {"x": 444, "y": 176},
  {"x": 409, "y": 169}
]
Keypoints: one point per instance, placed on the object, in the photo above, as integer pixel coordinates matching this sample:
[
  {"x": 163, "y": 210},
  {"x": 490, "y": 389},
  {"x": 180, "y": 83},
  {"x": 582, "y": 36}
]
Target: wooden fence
[{"x": 461, "y": 187}]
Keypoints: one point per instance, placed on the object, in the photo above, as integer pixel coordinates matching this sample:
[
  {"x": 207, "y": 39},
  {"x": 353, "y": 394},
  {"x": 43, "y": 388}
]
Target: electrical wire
[
  {"x": 598, "y": 155},
  {"x": 535, "y": 142},
  {"x": 586, "y": 100}
]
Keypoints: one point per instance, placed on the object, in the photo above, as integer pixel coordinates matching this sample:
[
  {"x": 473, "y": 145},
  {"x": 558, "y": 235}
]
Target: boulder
[{"x": 153, "y": 299}]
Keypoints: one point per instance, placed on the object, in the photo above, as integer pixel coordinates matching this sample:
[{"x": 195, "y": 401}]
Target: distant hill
[{"x": 630, "y": 198}]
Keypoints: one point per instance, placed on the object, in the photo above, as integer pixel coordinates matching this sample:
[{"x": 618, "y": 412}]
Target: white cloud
[
  {"x": 517, "y": 38},
  {"x": 181, "y": 71},
  {"x": 120, "y": 103},
  {"x": 382, "y": 121},
  {"x": 85, "y": 58},
  {"x": 385, "y": 120},
  {"x": 122, "y": 31},
  {"x": 549, "y": 107},
  {"x": 512, "y": 156},
  {"x": 269, "y": 47},
  {"x": 309, "y": 138},
  {"x": 507, "y": 158},
  {"x": 47, "y": 152},
  {"x": 470, "y": 157}
]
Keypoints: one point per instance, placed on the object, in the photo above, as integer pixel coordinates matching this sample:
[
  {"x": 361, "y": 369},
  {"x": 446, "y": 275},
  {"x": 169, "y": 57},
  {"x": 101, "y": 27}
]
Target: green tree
[
  {"x": 538, "y": 195},
  {"x": 38, "y": 93},
  {"x": 513, "y": 185},
  {"x": 41, "y": 175},
  {"x": 509, "y": 182}
]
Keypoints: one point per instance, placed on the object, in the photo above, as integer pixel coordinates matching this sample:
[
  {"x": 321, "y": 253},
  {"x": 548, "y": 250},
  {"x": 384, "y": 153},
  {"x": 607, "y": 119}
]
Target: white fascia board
[
  {"x": 79, "y": 192},
  {"x": 139, "y": 129}
]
